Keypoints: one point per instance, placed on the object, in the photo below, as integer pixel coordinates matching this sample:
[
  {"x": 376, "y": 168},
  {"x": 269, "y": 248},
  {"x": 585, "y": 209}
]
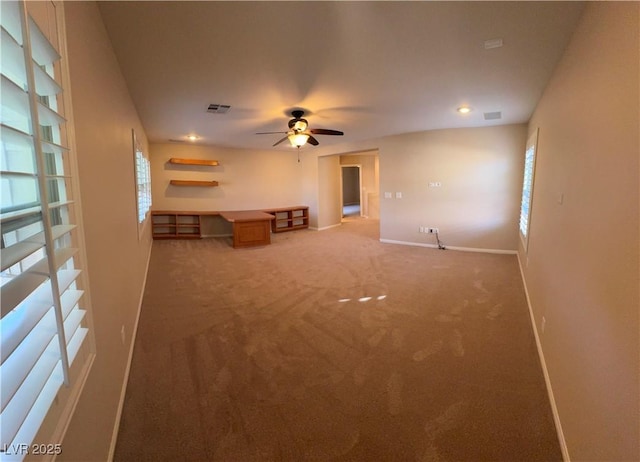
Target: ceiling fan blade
[
  {"x": 312, "y": 141},
  {"x": 325, "y": 131},
  {"x": 281, "y": 140},
  {"x": 268, "y": 133}
]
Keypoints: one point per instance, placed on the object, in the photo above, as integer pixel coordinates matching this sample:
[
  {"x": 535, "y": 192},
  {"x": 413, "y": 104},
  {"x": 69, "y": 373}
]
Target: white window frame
[{"x": 528, "y": 182}]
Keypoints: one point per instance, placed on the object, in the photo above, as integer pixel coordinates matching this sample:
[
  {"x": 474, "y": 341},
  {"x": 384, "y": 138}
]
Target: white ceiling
[{"x": 367, "y": 68}]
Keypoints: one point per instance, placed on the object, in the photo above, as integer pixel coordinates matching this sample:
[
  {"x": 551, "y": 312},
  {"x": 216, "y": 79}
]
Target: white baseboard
[
  {"x": 116, "y": 427},
  {"x": 450, "y": 247},
  {"x": 545, "y": 372}
]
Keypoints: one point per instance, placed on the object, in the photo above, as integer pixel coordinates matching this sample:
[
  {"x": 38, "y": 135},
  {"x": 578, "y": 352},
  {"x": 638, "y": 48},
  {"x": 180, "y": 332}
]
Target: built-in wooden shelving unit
[
  {"x": 175, "y": 225},
  {"x": 193, "y": 183},
  {"x": 184, "y": 225},
  {"x": 205, "y": 162},
  {"x": 289, "y": 218}
]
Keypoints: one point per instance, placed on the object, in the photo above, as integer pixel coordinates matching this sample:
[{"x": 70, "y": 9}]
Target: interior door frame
[{"x": 359, "y": 166}]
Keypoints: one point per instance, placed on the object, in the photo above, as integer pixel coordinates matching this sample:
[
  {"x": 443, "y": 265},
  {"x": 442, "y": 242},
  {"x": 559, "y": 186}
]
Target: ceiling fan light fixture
[
  {"x": 464, "y": 109},
  {"x": 299, "y": 132},
  {"x": 298, "y": 139}
]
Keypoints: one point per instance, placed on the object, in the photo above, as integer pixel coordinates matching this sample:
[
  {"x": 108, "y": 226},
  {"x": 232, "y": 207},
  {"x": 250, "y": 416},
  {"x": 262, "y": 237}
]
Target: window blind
[{"x": 43, "y": 323}]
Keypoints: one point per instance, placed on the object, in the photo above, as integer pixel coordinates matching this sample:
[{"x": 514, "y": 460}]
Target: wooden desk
[{"x": 250, "y": 228}]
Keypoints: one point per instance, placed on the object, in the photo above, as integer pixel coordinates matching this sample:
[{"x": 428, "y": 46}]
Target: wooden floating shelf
[
  {"x": 193, "y": 183},
  {"x": 210, "y": 163}
]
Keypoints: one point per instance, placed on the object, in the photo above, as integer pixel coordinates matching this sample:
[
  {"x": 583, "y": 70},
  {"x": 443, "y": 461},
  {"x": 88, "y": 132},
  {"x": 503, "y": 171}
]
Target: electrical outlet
[
  {"x": 432, "y": 230},
  {"x": 122, "y": 336},
  {"x": 421, "y": 229}
]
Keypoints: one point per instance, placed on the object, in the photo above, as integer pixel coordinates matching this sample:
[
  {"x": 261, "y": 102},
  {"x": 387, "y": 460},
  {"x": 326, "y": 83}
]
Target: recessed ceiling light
[
  {"x": 192, "y": 137},
  {"x": 464, "y": 109}
]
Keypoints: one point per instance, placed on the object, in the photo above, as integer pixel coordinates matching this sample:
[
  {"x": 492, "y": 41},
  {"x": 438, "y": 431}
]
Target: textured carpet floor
[{"x": 332, "y": 346}]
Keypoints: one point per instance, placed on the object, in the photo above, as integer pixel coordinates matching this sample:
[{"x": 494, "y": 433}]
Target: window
[
  {"x": 527, "y": 187},
  {"x": 43, "y": 324},
  {"x": 143, "y": 181}
]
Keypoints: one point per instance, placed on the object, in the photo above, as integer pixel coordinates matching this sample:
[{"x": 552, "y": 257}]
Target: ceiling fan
[{"x": 299, "y": 132}]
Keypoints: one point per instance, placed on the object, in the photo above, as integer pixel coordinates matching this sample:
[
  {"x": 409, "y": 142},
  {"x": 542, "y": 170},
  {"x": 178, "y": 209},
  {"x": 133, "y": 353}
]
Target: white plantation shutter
[
  {"x": 527, "y": 187},
  {"x": 43, "y": 323},
  {"x": 143, "y": 183}
]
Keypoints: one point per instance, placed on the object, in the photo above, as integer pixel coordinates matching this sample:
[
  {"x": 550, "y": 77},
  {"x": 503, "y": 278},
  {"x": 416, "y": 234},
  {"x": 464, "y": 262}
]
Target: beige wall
[
  {"x": 582, "y": 274},
  {"x": 329, "y": 206},
  {"x": 476, "y": 207},
  {"x": 248, "y": 179},
  {"x": 117, "y": 260}
]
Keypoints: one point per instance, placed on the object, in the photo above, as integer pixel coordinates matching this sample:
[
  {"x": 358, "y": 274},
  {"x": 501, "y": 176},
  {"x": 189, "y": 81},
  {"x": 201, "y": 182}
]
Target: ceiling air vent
[
  {"x": 493, "y": 43},
  {"x": 218, "y": 108},
  {"x": 493, "y": 115}
]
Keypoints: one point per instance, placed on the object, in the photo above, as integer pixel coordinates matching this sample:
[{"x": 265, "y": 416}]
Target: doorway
[{"x": 351, "y": 191}]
